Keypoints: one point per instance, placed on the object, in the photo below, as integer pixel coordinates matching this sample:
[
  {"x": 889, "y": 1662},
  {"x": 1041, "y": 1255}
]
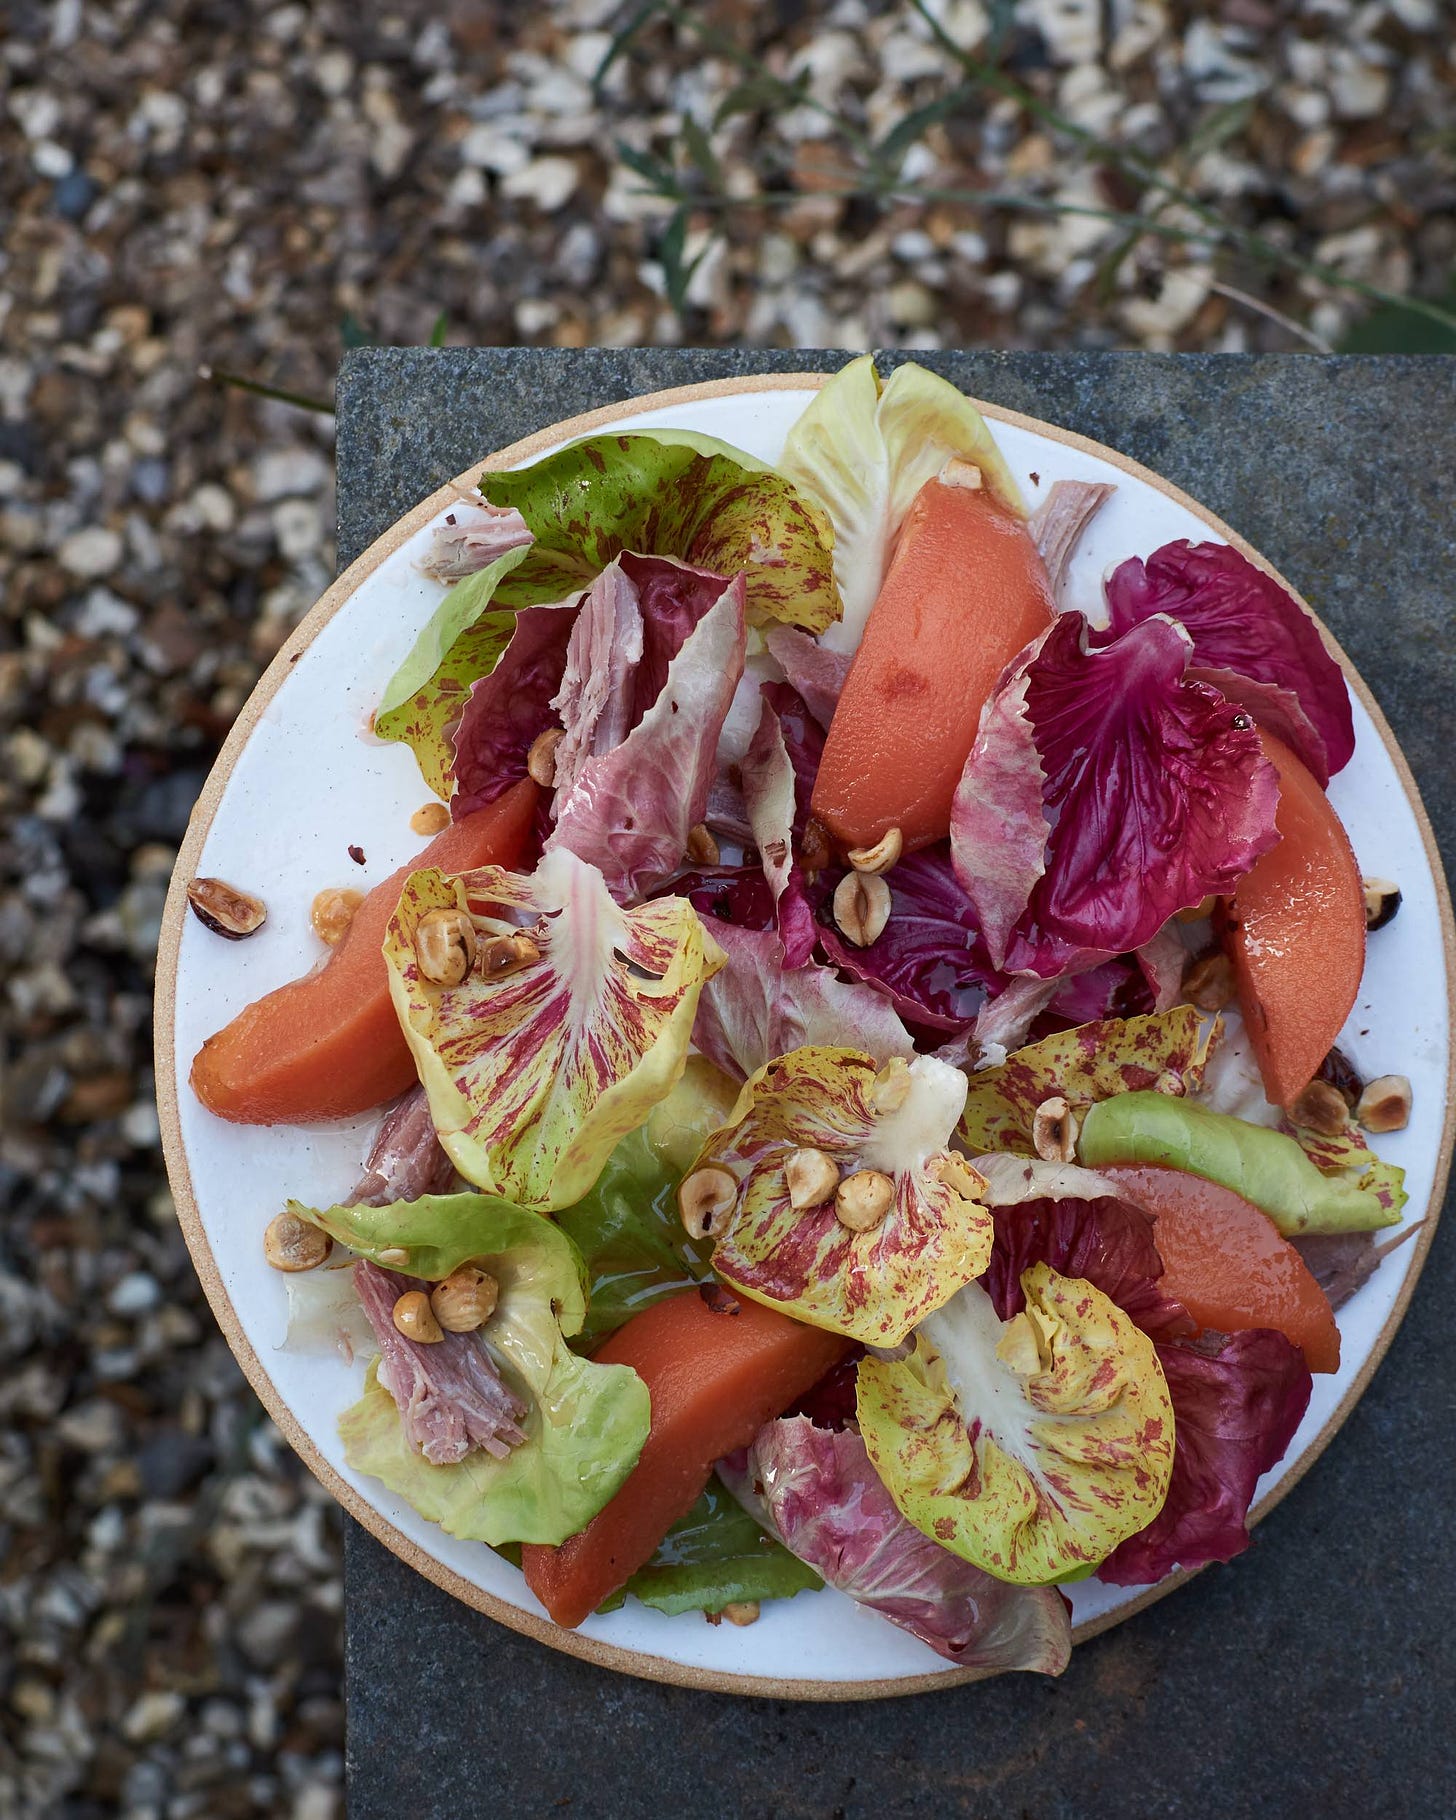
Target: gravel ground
[{"x": 235, "y": 186}]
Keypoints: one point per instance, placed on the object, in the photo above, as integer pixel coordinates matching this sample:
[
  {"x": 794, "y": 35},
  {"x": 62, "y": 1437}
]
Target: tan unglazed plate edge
[{"x": 606, "y": 1655}]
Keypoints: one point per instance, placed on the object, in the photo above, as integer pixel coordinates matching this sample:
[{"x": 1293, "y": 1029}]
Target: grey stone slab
[{"x": 1312, "y": 1677}]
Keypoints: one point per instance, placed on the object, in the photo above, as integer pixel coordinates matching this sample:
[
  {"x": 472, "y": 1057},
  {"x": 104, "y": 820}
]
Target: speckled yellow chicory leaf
[
  {"x": 873, "y": 1286},
  {"x": 670, "y": 493},
  {"x": 1031, "y": 1447},
  {"x": 1091, "y": 1063},
  {"x": 535, "y": 1076}
]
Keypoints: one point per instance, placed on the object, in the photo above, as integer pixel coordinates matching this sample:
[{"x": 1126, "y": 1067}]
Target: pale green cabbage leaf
[
  {"x": 1031, "y": 1447},
  {"x": 1263, "y": 1166},
  {"x": 873, "y": 1286},
  {"x": 534, "y": 1078},
  {"x": 863, "y": 450},
  {"x": 585, "y": 1424}
]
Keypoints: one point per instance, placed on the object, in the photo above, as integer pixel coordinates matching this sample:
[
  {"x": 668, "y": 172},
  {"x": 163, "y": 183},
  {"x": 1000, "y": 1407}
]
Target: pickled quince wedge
[
  {"x": 329, "y": 1045},
  {"x": 1295, "y": 930}
]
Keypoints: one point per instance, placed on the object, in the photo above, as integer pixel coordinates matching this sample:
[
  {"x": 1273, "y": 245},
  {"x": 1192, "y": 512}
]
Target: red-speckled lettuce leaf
[
  {"x": 871, "y": 1286},
  {"x": 1091, "y": 1063},
  {"x": 1251, "y": 639},
  {"x": 816, "y": 1490},
  {"x": 1155, "y": 794},
  {"x": 778, "y": 772}
]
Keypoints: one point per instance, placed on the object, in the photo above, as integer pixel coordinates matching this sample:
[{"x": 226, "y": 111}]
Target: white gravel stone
[
  {"x": 91, "y": 552},
  {"x": 549, "y": 182},
  {"x": 152, "y": 1716}
]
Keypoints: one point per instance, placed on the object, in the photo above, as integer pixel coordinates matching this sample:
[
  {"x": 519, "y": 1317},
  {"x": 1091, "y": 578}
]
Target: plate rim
[{"x": 591, "y": 1649}]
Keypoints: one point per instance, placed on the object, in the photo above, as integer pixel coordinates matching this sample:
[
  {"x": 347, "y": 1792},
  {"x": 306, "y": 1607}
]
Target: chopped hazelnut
[
  {"x": 881, "y": 856},
  {"x": 863, "y": 1199},
  {"x": 291, "y": 1244},
  {"x": 1054, "y": 1131},
  {"x": 415, "y": 1319},
  {"x": 1209, "y": 981},
  {"x": 332, "y": 912},
  {"x": 445, "y": 946},
  {"x": 1321, "y": 1108},
  {"x": 465, "y": 1300},
  {"x": 225, "y": 909},
  {"x": 861, "y": 907},
  {"x": 812, "y": 1177},
  {"x": 704, "y": 1198},
  {"x": 1385, "y": 1104}
]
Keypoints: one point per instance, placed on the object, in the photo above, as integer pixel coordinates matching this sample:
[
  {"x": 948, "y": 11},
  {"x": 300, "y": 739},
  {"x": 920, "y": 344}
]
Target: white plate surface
[{"x": 311, "y": 781}]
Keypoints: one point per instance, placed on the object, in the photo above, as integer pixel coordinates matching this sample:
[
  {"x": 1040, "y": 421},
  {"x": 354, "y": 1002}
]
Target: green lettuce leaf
[
  {"x": 1091, "y": 1063},
  {"x": 533, "y": 1078},
  {"x": 862, "y": 451},
  {"x": 585, "y": 1423},
  {"x": 669, "y": 493},
  {"x": 627, "y": 1229},
  {"x": 1263, "y": 1166},
  {"x": 898, "y": 1121},
  {"x": 1032, "y": 1447},
  {"x": 716, "y": 1555},
  {"x": 462, "y": 642}
]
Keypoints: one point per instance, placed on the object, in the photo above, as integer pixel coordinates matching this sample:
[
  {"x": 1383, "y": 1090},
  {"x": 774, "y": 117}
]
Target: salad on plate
[{"x": 858, "y": 1071}]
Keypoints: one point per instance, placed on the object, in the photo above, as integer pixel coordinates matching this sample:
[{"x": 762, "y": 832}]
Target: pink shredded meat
[
  {"x": 450, "y": 1395},
  {"x": 406, "y": 1159},
  {"x": 1058, "y": 522},
  {"x": 472, "y": 538}
]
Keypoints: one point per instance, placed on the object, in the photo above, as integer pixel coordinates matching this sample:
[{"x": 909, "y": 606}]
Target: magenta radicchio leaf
[
  {"x": 450, "y": 1395},
  {"x": 508, "y": 709},
  {"x": 1237, "y": 1400},
  {"x": 756, "y": 1008},
  {"x": 816, "y": 1490},
  {"x": 813, "y": 669},
  {"x": 1251, "y": 639},
  {"x": 629, "y": 810},
  {"x": 406, "y": 1160},
  {"x": 930, "y": 959},
  {"x": 1235, "y": 1411},
  {"x": 1154, "y": 794}
]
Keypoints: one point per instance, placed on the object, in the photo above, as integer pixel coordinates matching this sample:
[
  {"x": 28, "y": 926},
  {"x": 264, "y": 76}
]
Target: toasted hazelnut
[
  {"x": 815, "y": 848},
  {"x": 430, "y": 818},
  {"x": 503, "y": 955},
  {"x": 1196, "y": 912},
  {"x": 702, "y": 849},
  {"x": 1385, "y": 1104},
  {"x": 863, "y": 1199},
  {"x": 1209, "y": 981},
  {"x": 861, "y": 907},
  {"x": 394, "y": 1257},
  {"x": 1342, "y": 1075},
  {"x": 741, "y": 1612},
  {"x": 1321, "y": 1108},
  {"x": 1171, "y": 1083},
  {"x": 1054, "y": 1131},
  {"x": 225, "y": 910},
  {"x": 415, "y": 1318},
  {"x": 812, "y": 1177},
  {"x": 704, "y": 1199},
  {"x": 465, "y": 1300},
  {"x": 959, "y": 1175},
  {"x": 960, "y": 473},
  {"x": 541, "y": 759},
  {"x": 1382, "y": 900},
  {"x": 880, "y": 857},
  {"x": 445, "y": 946},
  {"x": 332, "y": 912},
  {"x": 290, "y": 1243},
  {"x": 891, "y": 1088}
]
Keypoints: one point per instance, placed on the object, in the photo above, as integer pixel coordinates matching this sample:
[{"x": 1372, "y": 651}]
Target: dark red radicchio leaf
[
  {"x": 1251, "y": 639},
  {"x": 930, "y": 959},
  {"x": 1154, "y": 793},
  {"x": 1237, "y": 1399}
]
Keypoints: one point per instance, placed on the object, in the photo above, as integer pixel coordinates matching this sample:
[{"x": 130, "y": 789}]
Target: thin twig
[
  {"x": 1257, "y": 304},
  {"x": 220, "y": 376}
]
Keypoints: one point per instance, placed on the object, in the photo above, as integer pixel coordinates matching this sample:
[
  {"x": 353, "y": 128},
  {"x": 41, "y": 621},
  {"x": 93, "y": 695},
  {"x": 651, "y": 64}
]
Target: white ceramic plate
[{"x": 300, "y": 779}]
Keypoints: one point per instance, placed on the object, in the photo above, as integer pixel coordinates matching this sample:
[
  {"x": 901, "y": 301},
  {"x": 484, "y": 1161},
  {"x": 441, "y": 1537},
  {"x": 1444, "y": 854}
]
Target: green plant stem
[{"x": 240, "y": 383}]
